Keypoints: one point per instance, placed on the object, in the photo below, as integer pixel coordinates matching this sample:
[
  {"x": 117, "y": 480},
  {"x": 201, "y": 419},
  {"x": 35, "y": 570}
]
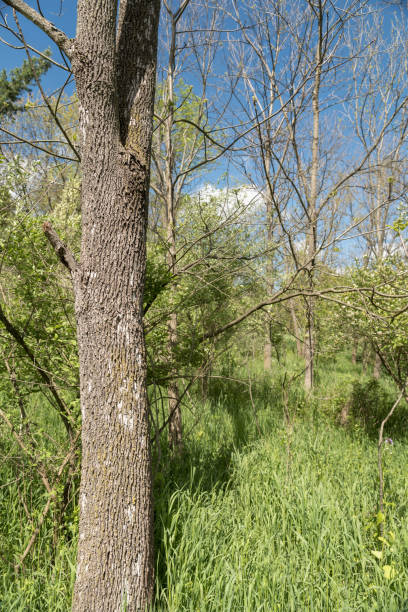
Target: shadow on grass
[
  {"x": 370, "y": 403},
  {"x": 206, "y": 462}
]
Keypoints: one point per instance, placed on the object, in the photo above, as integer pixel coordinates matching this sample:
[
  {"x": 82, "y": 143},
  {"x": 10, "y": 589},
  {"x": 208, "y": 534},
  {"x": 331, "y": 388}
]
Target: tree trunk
[
  {"x": 269, "y": 271},
  {"x": 309, "y": 348},
  {"x": 115, "y": 560},
  {"x": 365, "y": 357},
  {"x": 268, "y": 349},
  {"x": 175, "y": 422},
  {"x": 354, "y": 352},
  {"x": 296, "y": 330},
  {"x": 113, "y": 59},
  {"x": 377, "y": 366},
  {"x": 115, "y": 83},
  {"x": 311, "y": 237},
  {"x": 175, "y": 433}
]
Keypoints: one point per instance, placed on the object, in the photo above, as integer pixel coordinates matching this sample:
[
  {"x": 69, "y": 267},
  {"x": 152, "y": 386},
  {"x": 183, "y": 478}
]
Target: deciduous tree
[{"x": 113, "y": 59}]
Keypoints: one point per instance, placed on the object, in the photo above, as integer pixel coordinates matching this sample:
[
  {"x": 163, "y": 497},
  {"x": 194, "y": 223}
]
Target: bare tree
[
  {"x": 379, "y": 86},
  {"x": 293, "y": 66},
  {"x": 188, "y": 137},
  {"x": 179, "y": 144}
]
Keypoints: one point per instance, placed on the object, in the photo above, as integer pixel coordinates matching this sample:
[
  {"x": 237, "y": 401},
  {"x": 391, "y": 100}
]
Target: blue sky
[{"x": 62, "y": 14}]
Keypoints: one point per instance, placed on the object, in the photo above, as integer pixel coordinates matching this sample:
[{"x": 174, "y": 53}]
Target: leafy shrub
[{"x": 371, "y": 401}]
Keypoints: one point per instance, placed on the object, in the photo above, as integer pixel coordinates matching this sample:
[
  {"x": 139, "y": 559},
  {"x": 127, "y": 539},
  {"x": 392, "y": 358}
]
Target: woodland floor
[{"x": 258, "y": 514}]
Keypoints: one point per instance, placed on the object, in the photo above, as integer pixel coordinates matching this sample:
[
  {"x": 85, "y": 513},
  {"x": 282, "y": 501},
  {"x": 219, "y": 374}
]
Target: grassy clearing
[{"x": 278, "y": 522}]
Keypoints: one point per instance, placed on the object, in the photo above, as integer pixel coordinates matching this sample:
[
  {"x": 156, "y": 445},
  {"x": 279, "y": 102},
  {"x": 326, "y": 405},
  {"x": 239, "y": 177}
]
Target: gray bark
[
  {"x": 175, "y": 422},
  {"x": 296, "y": 329},
  {"x": 269, "y": 269},
  {"x": 114, "y": 63},
  {"x": 113, "y": 60},
  {"x": 115, "y": 75}
]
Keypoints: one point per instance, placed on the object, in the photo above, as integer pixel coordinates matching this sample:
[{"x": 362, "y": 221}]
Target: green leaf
[
  {"x": 389, "y": 572},
  {"x": 377, "y": 553},
  {"x": 392, "y": 536}
]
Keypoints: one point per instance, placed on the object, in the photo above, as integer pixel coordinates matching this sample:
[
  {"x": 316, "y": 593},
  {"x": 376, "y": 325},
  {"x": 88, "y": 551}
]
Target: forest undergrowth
[{"x": 272, "y": 506}]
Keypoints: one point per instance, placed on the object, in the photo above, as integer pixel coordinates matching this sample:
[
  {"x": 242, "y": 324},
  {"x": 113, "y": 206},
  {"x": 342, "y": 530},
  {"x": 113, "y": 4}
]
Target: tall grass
[
  {"x": 289, "y": 531},
  {"x": 282, "y": 521}
]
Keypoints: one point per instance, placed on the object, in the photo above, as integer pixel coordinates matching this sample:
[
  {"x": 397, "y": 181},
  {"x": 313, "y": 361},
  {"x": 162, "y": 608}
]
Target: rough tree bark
[
  {"x": 115, "y": 77},
  {"x": 113, "y": 59}
]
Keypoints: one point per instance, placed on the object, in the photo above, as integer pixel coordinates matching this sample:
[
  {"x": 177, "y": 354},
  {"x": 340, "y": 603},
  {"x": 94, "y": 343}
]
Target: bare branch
[
  {"x": 35, "y": 146},
  {"x": 56, "y": 35},
  {"x": 62, "y": 409},
  {"x": 64, "y": 254},
  {"x": 284, "y": 295},
  {"x": 53, "y": 112}
]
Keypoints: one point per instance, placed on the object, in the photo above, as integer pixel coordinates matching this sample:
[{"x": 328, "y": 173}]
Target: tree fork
[
  {"x": 113, "y": 60},
  {"x": 115, "y": 74}
]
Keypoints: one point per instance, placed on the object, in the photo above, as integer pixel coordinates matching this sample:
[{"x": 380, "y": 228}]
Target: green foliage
[
  {"x": 255, "y": 515},
  {"x": 19, "y": 80},
  {"x": 275, "y": 539},
  {"x": 371, "y": 401},
  {"x": 37, "y": 303},
  {"x": 379, "y": 314},
  {"x": 36, "y": 298},
  {"x": 188, "y": 110},
  {"x": 283, "y": 521},
  {"x": 157, "y": 274},
  {"x": 210, "y": 286},
  {"x": 372, "y": 317},
  {"x": 46, "y": 582}
]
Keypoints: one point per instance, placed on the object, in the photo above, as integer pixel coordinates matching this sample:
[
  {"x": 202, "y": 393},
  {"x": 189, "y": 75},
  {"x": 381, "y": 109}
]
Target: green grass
[
  {"x": 289, "y": 532},
  {"x": 46, "y": 582},
  {"x": 285, "y": 521}
]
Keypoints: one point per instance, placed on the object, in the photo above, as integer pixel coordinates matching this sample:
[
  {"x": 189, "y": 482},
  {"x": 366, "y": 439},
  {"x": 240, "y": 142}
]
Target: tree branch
[
  {"x": 33, "y": 144},
  {"x": 285, "y": 294},
  {"x": 62, "y": 409},
  {"x": 56, "y": 35},
  {"x": 64, "y": 254}
]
